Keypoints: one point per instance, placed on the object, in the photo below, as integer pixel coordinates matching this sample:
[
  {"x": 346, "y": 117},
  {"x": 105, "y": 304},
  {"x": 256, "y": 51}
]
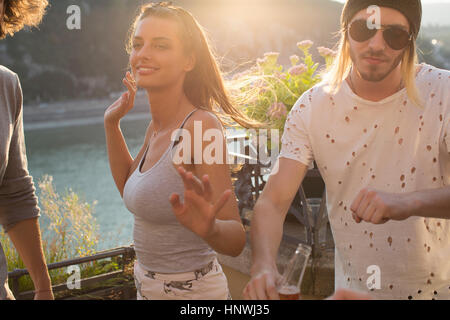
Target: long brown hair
[
  {"x": 343, "y": 63},
  {"x": 204, "y": 85},
  {"x": 21, "y": 13}
]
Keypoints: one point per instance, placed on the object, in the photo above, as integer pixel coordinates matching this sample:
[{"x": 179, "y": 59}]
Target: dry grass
[{"x": 71, "y": 231}]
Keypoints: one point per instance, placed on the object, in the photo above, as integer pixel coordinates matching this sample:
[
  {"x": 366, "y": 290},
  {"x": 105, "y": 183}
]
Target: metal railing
[{"x": 127, "y": 254}]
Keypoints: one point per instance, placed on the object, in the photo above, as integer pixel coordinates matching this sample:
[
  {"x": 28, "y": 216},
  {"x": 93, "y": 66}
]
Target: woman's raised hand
[
  {"x": 198, "y": 212},
  {"x": 124, "y": 104}
]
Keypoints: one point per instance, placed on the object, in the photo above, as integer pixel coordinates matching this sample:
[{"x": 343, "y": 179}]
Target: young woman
[{"x": 183, "y": 214}]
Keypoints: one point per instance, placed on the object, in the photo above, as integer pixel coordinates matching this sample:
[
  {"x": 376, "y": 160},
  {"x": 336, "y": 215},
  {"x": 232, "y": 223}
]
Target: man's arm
[
  {"x": 267, "y": 227},
  {"x": 18, "y": 202},
  {"x": 431, "y": 203},
  {"x": 26, "y": 238},
  {"x": 379, "y": 207}
]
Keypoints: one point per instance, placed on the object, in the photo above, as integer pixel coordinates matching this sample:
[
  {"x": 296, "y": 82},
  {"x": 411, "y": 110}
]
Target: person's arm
[
  {"x": 431, "y": 203},
  {"x": 120, "y": 160},
  {"x": 273, "y": 204},
  {"x": 379, "y": 207},
  {"x": 347, "y": 294},
  {"x": 26, "y": 237},
  {"x": 210, "y": 208},
  {"x": 376, "y": 206},
  {"x": 18, "y": 204},
  {"x": 267, "y": 227}
]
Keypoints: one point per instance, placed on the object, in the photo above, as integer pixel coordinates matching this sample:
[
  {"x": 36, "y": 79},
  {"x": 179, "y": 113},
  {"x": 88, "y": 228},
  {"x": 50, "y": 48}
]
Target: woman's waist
[
  {"x": 193, "y": 272},
  {"x": 177, "y": 262},
  {"x": 170, "y": 248},
  {"x": 169, "y": 243}
]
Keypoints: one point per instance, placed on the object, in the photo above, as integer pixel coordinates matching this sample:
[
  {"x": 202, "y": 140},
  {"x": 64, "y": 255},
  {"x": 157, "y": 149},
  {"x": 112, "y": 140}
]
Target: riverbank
[{"x": 78, "y": 112}]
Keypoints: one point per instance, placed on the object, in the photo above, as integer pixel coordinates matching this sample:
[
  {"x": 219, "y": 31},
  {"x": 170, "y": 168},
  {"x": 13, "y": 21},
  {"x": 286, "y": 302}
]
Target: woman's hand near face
[
  {"x": 120, "y": 159},
  {"x": 124, "y": 104}
]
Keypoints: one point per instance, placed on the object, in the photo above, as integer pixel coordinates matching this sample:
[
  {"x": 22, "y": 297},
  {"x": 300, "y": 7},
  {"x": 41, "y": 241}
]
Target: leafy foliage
[
  {"x": 270, "y": 90},
  {"x": 71, "y": 232}
]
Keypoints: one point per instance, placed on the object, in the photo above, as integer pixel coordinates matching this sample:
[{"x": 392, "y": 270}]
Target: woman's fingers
[
  {"x": 195, "y": 183},
  {"x": 119, "y": 102},
  {"x": 130, "y": 87},
  {"x": 190, "y": 181},
  {"x": 182, "y": 174},
  {"x": 131, "y": 82},
  {"x": 200, "y": 202},
  {"x": 221, "y": 202},
  {"x": 199, "y": 192},
  {"x": 131, "y": 78},
  {"x": 125, "y": 103},
  {"x": 115, "y": 108},
  {"x": 207, "y": 189},
  {"x": 177, "y": 206}
]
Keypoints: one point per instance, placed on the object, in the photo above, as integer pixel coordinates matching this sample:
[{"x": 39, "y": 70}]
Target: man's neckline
[{"x": 348, "y": 90}]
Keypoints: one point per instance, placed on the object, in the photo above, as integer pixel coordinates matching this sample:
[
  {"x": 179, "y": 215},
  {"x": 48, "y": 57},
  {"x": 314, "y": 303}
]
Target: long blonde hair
[
  {"x": 342, "y": 65},
  {"x": 204, "y": 85}
]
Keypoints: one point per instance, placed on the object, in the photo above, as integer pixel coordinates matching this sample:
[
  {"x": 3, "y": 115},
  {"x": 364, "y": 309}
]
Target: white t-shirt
[{"x": 392, "y": 146}]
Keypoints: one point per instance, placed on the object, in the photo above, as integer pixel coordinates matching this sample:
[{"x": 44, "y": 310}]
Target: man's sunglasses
[{"x": 396, "y": 37}]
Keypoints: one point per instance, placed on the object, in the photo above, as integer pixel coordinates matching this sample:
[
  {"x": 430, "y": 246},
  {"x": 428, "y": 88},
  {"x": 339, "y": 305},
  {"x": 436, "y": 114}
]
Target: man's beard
[{"x": 374, "y": 75}]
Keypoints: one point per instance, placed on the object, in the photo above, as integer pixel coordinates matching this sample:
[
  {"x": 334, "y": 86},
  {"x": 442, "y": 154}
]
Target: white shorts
[{"x": 208, "y": 283}]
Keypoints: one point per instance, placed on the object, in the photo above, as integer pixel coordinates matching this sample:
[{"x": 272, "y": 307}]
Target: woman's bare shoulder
[{"x": 208, "y": 120}]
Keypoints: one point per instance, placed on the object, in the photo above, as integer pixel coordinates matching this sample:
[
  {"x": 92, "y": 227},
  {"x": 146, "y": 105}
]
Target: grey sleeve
[{"x": 18, "y": 200}]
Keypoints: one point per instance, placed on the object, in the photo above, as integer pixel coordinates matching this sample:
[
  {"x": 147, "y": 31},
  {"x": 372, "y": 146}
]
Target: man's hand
[
  {"x": 379, "y": 207},
  {"x": 263, "y": 286},
  {"x": 346, "y": 294},
  {"x": 269, "y": 214}
]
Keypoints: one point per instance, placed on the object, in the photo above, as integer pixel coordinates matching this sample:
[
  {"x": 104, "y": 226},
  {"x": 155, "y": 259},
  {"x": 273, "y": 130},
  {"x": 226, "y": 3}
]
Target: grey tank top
[{"x": 162, "y": 244}]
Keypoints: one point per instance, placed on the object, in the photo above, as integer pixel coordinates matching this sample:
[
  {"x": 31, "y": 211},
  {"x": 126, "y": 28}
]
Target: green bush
[{"x": 71, "y": 232}]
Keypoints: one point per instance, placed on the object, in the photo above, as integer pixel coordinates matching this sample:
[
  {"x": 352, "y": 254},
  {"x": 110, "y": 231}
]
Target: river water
[{"x": 76, "y": 158}]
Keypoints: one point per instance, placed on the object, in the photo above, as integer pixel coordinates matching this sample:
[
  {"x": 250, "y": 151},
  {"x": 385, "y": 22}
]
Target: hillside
[{"x": 55, "y": 63}]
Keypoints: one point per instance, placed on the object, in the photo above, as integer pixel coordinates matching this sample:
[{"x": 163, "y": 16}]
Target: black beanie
[{"x": 411, "y": 9}]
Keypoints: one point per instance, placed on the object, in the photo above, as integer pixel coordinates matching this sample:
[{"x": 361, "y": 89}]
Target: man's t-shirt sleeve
[
  {"x": 18, "y": 201},
  {"x": 295, "y": 143}
]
